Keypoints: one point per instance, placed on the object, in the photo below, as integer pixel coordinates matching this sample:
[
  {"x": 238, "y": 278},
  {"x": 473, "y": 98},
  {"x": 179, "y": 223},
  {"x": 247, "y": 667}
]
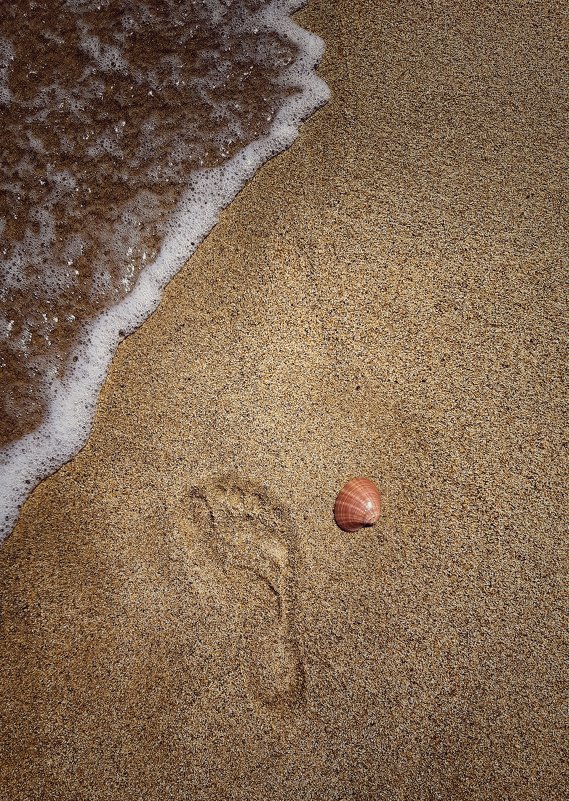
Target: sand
[{"x": 181, "y": 618}]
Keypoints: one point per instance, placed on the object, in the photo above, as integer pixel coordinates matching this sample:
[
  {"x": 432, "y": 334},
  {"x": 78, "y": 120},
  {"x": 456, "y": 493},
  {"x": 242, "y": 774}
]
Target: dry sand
[{"x": 181, "y": 617}]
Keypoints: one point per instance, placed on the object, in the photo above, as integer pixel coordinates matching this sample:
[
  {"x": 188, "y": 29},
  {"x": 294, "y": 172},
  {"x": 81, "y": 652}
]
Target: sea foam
[{"x": 70, "y": 394}]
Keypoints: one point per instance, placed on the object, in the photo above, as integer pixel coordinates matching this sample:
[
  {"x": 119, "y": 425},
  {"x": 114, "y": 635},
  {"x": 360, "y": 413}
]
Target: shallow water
[{"x": 126, "y": 128}]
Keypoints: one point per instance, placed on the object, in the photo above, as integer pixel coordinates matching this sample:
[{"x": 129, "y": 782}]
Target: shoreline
[{"x": 65, "y": 426}]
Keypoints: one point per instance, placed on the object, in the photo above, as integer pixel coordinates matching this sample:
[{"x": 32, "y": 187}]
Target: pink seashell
[{"x": 358, "y": 504}]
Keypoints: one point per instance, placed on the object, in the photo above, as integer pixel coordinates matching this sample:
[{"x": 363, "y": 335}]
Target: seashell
[{"x": 358, "y": 504}]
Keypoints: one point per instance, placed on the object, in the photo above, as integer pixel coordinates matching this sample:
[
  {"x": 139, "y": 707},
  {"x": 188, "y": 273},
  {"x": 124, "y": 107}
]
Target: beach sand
[{"x": 181, "y": 618}]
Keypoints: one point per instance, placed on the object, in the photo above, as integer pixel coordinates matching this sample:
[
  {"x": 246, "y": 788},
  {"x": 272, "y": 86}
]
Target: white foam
[
  {"x": 108, "y": 57},
  {"x": 72, "y": 400},
  {"x": 6, "y": 56}
]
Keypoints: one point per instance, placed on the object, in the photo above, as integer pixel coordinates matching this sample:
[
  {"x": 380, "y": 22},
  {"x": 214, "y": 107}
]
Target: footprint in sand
[{"x": 252, "y": 540}]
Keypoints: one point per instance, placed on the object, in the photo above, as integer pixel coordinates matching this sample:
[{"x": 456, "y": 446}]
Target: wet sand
[{"x": 181, "y": 619}]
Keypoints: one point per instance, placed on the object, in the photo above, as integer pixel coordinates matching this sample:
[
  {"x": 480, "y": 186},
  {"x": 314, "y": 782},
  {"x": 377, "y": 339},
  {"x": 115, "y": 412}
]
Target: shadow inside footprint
[{"x": 253, "y": 541}]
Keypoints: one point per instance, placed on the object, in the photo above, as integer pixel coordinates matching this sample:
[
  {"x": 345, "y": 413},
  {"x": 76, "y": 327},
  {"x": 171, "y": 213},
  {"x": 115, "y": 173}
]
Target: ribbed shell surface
[{"x": 358, "y": 504}]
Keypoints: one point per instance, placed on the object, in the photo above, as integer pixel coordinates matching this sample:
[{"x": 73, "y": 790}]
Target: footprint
[{"x": 252, "y": 540}]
